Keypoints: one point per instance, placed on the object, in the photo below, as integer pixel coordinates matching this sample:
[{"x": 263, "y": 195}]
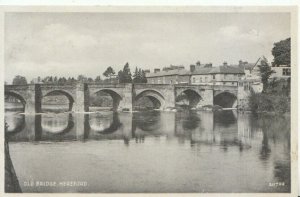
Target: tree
[
  {"x": 109, "y": 72},
  {"x": 144, "y": 78},
  {"x": 282, "y": 52},
  {"x": 81, "y": 78},
  {"x": 139, "y": 76},
  {"x": 265, "y": 73},
  {"x": 50, "y": 80},
  {"x": 19, "y": 80},
  {"x": 126, "y": 74},
  {"x": 98, "y": 79},
  {"x": 120, "y": 76},
  {"x": 136, "y": 77},
  {"x": 90, "y": 80}
]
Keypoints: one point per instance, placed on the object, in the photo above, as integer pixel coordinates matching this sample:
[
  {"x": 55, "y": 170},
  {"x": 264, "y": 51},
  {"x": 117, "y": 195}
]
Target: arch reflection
[
  {"x": 57, "y": 124},
  {"x": 16, "y": 123},
  {"x": 104, "y": 124},
  {"x": 148, "y": 121}
]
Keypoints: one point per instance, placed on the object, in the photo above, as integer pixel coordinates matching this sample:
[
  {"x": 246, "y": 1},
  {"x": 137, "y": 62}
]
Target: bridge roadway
[{"x": 124, "y": 96}]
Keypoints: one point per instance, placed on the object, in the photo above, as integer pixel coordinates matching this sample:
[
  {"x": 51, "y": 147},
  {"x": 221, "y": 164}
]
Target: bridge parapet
[
  {"x": 18, "y": 87},
  {"x": 101, "y": 85}
]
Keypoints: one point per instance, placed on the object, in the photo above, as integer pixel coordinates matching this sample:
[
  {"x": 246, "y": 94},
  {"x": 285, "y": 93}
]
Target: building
[
  {"x": 252, "y": 78},
  {"x": 173, "y": 67},
  {"x": 281, "y": 72},
  {"x": 251, "y": 69},
  {"x": 221, "y": 75},
  {"x": 176, "y": 76}
]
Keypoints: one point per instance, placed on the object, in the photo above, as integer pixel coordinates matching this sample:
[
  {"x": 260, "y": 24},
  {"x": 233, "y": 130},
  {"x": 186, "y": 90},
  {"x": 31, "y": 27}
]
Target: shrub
[{"x": 262, "y": 102}]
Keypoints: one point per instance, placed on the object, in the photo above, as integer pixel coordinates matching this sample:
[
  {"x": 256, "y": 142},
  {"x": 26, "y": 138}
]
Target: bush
[
  {"x": 262, "y": 102},
  {"x": 281, "y": 104}
]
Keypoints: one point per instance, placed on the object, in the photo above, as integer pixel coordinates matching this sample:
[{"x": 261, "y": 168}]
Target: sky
[{"x": 69, "y": 44}]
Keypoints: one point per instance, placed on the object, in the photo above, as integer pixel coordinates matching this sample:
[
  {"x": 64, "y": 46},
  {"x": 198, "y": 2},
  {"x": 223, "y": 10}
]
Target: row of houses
[{"x": 206, "y": 74}]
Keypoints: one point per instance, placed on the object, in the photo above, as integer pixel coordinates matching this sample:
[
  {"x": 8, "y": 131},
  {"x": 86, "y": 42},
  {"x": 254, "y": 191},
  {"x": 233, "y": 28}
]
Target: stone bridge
[{"x": 124, "y": 96}]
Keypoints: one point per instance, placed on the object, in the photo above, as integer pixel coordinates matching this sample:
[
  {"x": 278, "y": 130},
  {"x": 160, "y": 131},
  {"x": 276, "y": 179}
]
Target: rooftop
[
  {"x": 199, "y": 71},
  {"x": 219, "y": 70},
  {"x": 169, "y": 73}
]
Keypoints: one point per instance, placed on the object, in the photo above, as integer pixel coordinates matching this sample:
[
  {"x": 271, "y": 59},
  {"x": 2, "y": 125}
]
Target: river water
[{"x": 150, "y": 152}]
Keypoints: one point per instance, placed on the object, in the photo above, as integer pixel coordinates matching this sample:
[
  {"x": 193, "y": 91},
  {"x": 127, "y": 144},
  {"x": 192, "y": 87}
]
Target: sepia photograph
[{"x": 149, "y": 100}]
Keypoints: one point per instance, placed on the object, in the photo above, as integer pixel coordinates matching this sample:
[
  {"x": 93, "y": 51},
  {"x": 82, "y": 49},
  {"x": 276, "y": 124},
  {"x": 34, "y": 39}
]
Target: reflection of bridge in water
[
  {"x": 124, "y": 96},
  {"x": 197, "y": 128}
]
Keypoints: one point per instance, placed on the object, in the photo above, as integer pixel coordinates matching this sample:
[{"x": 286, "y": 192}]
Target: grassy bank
[{"x": 274, "y": 99}]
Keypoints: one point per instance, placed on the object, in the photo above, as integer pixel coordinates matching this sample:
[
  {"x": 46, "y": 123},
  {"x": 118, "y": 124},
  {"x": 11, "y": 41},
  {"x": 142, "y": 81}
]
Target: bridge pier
[
  {"x": 169, "y": 95},
  {"x": 207, "y": 98},
  {"x": 33, "y": 99},
  {"x": 81, "y": 103},
  {"x": 126, "y": 102}
]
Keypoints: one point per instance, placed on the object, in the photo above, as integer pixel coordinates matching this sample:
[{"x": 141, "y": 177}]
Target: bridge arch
[
  {"x": 225, "y": 99},
  {"x": 154, "y": 96},
  {"x": 17, "y": 96},
  {"x": 61, "y": 92},
  {"x": 116, "y": 97},
  {"x": 193, "y": 96}
]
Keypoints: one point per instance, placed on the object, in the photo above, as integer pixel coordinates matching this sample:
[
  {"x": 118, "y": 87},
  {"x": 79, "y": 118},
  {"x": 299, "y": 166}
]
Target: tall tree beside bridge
[
  {"x": 109, "y": 73},
  {"x": 282, "y": 52},
  {"x": 125, "y": 75},
  {"x": 265, "y": 73},
  {"x": 136, "y": 77},
  {"x": 81, "y": 78},
  {"x": 98, "y": 79},
  {"x": 19, "y": 80},
  {"x": 144, "y": 79},
  {"x": 139, "y": 76}
]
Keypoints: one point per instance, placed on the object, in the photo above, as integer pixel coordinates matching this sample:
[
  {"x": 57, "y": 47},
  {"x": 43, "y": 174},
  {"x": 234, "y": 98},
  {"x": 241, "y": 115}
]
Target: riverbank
[
  {"x": 11, "y": 181},
  {"x": 269, "y": 103}
]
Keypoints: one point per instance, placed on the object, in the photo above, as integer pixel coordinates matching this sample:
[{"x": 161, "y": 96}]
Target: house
[
  {"x": 252, "y": 78},
  {"x": 221, "y": 75},
  {"x": 281, "y": 72},
  {"x": 175, "y": 76},
  {"x": 251, "y": 69}
]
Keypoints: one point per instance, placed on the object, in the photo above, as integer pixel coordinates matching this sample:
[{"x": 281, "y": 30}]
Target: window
[
  {"x": 171, "y": 81},
  {"x": 194, "y": 79},
  {"x": 232, "y": 83},
  {"x": 246, "y": 86},
  {"x": 241, "y": 84},
  {"x": 286, "y": 71},
  {"x": 214, "y": 76}
]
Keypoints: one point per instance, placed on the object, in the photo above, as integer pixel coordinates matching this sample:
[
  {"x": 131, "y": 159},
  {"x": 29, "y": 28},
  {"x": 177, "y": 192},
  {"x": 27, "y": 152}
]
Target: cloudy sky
[{"x": 69, "y": 44}]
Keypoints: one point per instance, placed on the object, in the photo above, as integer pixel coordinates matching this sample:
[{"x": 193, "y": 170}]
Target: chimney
[
  {"x": 156, "y": 70},
  {"x": 209, "y": 65},
  {"x": 240, "y": 63},
  {"x": 225, "y": 64},
  {"x": 192, "y": 68}
]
